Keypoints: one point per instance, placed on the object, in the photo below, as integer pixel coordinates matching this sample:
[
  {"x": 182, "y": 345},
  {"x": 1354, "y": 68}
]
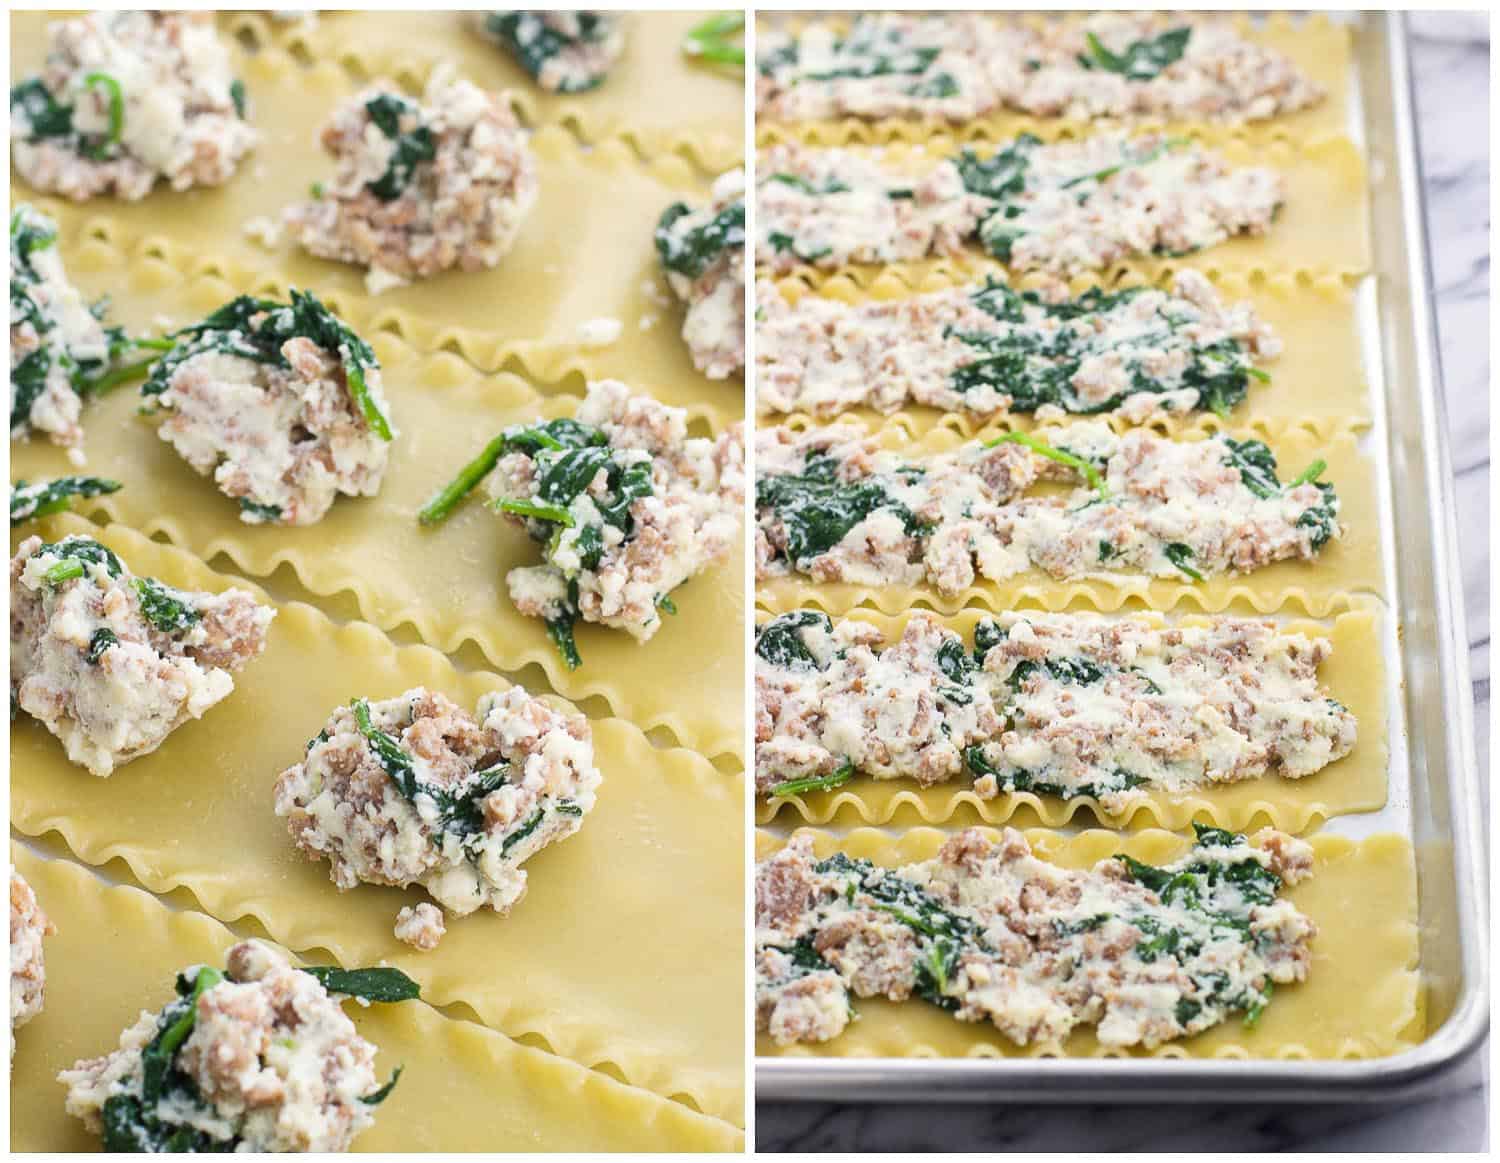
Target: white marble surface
[{"x": 1450, "y": 58}]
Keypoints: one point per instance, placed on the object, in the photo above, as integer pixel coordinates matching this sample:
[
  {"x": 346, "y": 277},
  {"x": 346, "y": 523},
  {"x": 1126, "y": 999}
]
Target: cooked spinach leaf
[
  {"x": 167, "y": 609},
  {"x": 839, "y": 776},
  {"x": 780, "y": 640},
  {"x": 384, "y": 984},
  {"x": 692, "y": 250},
  {"x": 1019, "y": 780},
  {"x": 816, "y": 510},
  {"x": 76, "y": 553},
  {"x": 102, "y": 640},
  {"x": 412, "y": 147},
  {"x": 534, "y": 42},
  {"x": 32, "y": 502},
  {"x": 1142, "y": 59},
  {"x": 1179, "y": 555}
]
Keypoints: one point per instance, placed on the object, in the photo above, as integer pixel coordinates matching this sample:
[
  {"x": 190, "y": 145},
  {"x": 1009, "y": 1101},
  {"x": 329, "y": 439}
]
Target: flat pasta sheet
[
  {"x": 1320, "y": 47},
  {"x": 464, "y": 1088},
  {"x": 656, "y": 98},
  {"x": 1362, "y": 998},
  {"x": 1345, "y": 568},
  {"x": 1355, "y": 675},
  {"x": 626, "y": 950},
  {"x": 1322, "y": 229},
  {"x": 585, "y": 252},
  {"x": 446, "y": 581},
  {"x": 1318, "y": 382}
]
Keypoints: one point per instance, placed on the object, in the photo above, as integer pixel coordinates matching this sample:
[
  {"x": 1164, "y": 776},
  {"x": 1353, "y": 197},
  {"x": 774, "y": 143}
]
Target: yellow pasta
[
  {"x": 448, "y": 581},
  {"x": 464, "y": 1088},
  {"x": 1320, "y": 47},
  {"x": 627, "y": 949},
  {"x": 1317, "y": 383},
  {"x": 1355, "y": 675},
  {"x": 1345, "y": 567},
  {"x": 655, "y": 97},
  {"x": 1362, "y": 998}
]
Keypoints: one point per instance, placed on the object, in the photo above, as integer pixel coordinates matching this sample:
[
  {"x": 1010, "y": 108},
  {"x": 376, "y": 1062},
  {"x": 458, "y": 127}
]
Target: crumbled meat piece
[
  {"x": 421, "y": 927},
  {"x": 28, "y": 969}
]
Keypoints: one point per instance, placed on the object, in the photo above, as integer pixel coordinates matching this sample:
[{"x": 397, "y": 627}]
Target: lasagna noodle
[
  {"x": 1357, "y": 783},
  {"x": 586, "y": 250},
  {"x": 1321, "y": 231},
  {"x": 1317, "y": 382},
  {"x": 464, "y": 1088},
  {"x": 1319, "y": 46},
  {"x": 626, "y": 950},
  {"x": 1362, "y": 998},
  {"x": 448, "y": 581},
  {"x": 1345, "y": 568},
  {"x": 655, "y": 97}
]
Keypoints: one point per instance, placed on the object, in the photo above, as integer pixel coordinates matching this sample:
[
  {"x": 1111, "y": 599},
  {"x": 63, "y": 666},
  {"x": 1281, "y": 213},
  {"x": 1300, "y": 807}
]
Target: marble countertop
[{"x": 1450, "y": 59}]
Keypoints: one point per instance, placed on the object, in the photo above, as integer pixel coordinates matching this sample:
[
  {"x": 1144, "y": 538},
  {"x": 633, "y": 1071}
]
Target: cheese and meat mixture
[
  {"x": 257, "y": 1058},
  {"x": 112, "y": 663},
  {"x": 28, "y": 969},
  {"x": 988, "y": 351},
  {"x": 280, "y": 403},
  {"x": 626, "y": 506},
  {"x": 565, "y": 52},
  {"x": 420, "y": 186},
  {"x": 831, "y": 504},
  {"x": 959, "y": 67},
  {"x": 57, "y": 344},
  {"x": 1062, "y": 209},
  {"x": 127, "y": 99},
  {"x": 991, "y": 933},
  {"x": 1070, "y": 705},
  {"x": 703, "y": 254},
  {"x": 414, "y": 790}
]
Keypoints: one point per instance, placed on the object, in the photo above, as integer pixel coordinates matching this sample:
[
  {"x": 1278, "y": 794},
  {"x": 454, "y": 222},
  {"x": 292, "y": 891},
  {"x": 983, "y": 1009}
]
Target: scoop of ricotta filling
[
  {"x": 127, "y": 99},
  {"x": 703, "y": 254},
  {"x": 112, "y": 663},
  {"x": 990, "y": 933},
  {"x": 565, "y": 52},
  {"x": 28, "y": 969},
  {"x": 420, "y": 186},
  {"x": 257, "y": 1058},
  {"x": 414, "y": 790}
]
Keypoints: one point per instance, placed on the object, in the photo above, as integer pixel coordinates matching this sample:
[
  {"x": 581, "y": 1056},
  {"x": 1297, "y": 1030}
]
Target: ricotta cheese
[
  {"x": 1070, "y": 705},
  {"x": 703, "y": 254},
  {"x": 127, "y": 99},
  {"x": 989, "y": 351},
  {"x": 833, "y": 505},
  {"x": 112, "y": 663},
  {"x": 28, "y": 969},
  {"x": 565, "y": 52},
  {"x": 990, "y": 933},
  {"x": 420, "y": 187},
  {"x": 415, "y": 790},
  {"x": 269, "y": 1062}
]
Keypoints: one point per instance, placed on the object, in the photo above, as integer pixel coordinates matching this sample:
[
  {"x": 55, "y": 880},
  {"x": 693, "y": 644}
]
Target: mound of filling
[
  {"x": 420, "y": 186},
  {"x": 959, "y": 67},
  {"x": 703, "y": 254},
  {"x": 32, "y": 502},
  {"x": 59, "y": 350},
  {"x": 1141, "y": 353},
  {"x": 990, "y": 933},
  {"x": 1068, "y": 705},
  {"x": 1063, "y": 209},
  {"x": 280, "y": 403},
  {"x": 565, "y": 52},
  {"x": 112, "y": 663},
  {"x": 415, "y": 790},
  {"x": 833, "y": 505},
  {"x": 258, "y": 1057},
  {"x": 626, "y": 507},
  {"x": 127, "y": 99},
  {"x": 28, "y": 969}
]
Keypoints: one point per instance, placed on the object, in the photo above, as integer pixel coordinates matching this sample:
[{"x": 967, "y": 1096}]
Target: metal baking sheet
[{"x": 1433, "y": 788}]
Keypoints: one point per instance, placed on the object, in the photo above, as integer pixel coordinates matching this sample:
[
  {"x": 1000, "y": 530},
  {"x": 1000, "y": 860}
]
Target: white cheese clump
[
  {"x": 1131, "y": 353},
  {"x": 688, "y": 522},
  {"x": 420, "y": 926},
  {"x": 28, "y": 969},
  {"x": 433, "y": 796},
  {"x": 176, "y": 119},
  {"x": 1161, "y": 507},
  {"x": 420, "y": 187},
  {"x": 275, "y": 1062},
  {"x": 1071, "y": 705},
  {"x": 712, "y": 287},
  {"x": 991, "y": 933},
  {"x": 54, "y": 335},
  {"x": 959, "y": 67},
  {"x": 112, "y": 663},
  {"x": 564, "y": 51}
]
